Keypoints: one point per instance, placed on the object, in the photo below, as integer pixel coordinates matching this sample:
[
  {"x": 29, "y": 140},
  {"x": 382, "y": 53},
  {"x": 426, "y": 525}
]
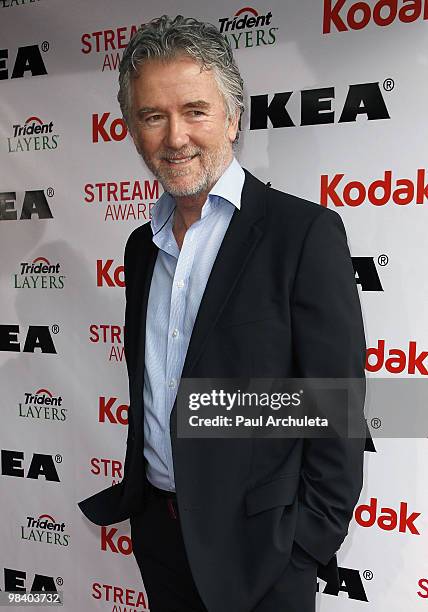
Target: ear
[{"x": 232, "y": 128}]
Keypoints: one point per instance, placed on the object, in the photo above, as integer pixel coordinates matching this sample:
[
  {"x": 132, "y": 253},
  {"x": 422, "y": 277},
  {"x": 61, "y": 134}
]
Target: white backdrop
[{"x": 73, "y": 190}]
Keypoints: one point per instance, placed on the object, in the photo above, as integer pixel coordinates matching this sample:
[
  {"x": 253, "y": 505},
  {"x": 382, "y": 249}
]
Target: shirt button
[
  {"x": 172, "y": 383},
  {"x": 180, "y": 283},
  {"x": 175, "y": 333}
]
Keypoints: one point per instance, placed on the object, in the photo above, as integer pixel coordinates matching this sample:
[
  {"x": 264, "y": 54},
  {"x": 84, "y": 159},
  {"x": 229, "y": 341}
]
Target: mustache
[{"x": 179, "y": 155}]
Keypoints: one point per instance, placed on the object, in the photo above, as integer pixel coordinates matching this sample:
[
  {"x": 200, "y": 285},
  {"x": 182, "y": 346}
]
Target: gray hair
[{"x": 166, "y": 38}]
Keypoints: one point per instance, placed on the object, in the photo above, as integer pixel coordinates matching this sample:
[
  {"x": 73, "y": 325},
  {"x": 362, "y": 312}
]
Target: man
[{"x": 231, "y": 279}]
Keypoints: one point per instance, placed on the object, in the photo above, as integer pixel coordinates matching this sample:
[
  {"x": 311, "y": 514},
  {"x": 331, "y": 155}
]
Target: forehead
[{"x": 174, "y": 81}]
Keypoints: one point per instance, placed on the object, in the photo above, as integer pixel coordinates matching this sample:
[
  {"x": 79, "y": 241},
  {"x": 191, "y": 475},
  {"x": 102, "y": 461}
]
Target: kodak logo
[
  {"x": 398, "y": 360},
  {"x": 388, "y": 519},
  {"x": 335, "y": 191}
]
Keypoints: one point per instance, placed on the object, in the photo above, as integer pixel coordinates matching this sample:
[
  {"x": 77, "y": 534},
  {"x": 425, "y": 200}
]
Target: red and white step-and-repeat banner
[{"x": 336, "y": 112}]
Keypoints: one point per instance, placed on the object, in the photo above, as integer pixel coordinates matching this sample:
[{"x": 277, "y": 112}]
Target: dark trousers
[{"x": 158, "y": 547}]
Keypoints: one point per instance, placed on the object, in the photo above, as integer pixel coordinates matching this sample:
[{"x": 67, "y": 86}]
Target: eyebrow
[
  {"x": 197, "y": 104},
  {"x": 200, "y": 104}
]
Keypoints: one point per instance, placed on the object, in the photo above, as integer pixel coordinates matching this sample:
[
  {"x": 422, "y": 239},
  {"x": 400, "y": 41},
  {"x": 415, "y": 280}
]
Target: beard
[{"x": 210, "y": 165}]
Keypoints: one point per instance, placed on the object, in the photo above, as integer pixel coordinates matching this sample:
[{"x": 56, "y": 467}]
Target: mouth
[{"x": 180, "y": 160}]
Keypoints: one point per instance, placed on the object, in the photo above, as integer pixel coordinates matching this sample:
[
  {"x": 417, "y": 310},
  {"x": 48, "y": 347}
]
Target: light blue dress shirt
[{"x": 178, "y": 283}]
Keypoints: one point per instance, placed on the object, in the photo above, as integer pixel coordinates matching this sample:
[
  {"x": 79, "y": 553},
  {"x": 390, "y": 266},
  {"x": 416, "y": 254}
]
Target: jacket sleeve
[{"x": 328, "y": 340}]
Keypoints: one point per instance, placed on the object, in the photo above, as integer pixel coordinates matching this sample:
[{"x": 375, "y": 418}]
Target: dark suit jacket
[{"x": 281, "y": 301}]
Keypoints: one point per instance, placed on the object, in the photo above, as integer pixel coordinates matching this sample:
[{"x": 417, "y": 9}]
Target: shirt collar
[{"x": 228, "y": 187}]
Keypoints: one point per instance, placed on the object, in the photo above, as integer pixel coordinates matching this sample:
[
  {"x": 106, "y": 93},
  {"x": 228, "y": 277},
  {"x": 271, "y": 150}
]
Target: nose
[{"x": 176, "y": 135}]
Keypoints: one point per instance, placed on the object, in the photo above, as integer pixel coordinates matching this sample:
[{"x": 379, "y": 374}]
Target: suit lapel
[
  {"x": 240, "y": 240},
  {"x": 141, "y": 289}
]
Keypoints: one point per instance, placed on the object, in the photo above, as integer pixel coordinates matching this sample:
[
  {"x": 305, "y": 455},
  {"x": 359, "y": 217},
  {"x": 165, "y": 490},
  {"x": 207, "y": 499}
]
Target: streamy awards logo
[
  {"x": 107, "y": 468},
  {"x": 122, "y": 598},
  {"x": 123, "y": 200},
  {"x": 111, "y": 336},
  {"x": 423, "y": 586},
  {"x": 107, "y": 45}
]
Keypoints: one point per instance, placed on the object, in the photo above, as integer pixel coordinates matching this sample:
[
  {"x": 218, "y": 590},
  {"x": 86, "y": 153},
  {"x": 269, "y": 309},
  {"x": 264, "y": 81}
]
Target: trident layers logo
[
  {"x": 248, "y": 28},
  {"x": 38, "y": 274},
  {"x": 32, "y": 135},
  {"x": 42, "y": 405},
  {"x": 44, "y": 530}
]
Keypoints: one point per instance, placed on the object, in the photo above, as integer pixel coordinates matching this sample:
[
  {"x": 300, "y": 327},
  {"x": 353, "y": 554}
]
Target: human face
[{"x": 179, "y": 125}]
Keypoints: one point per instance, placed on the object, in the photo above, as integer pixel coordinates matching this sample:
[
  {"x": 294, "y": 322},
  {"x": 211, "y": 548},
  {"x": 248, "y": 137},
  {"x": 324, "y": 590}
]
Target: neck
[{"x": 189, "y": 207}]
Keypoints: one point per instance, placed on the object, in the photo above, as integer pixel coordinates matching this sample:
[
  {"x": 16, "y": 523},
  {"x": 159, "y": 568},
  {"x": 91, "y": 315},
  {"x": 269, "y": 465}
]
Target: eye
[
  {"x": 153, "y": 118},
  {"x": 196, "y": 113}
]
